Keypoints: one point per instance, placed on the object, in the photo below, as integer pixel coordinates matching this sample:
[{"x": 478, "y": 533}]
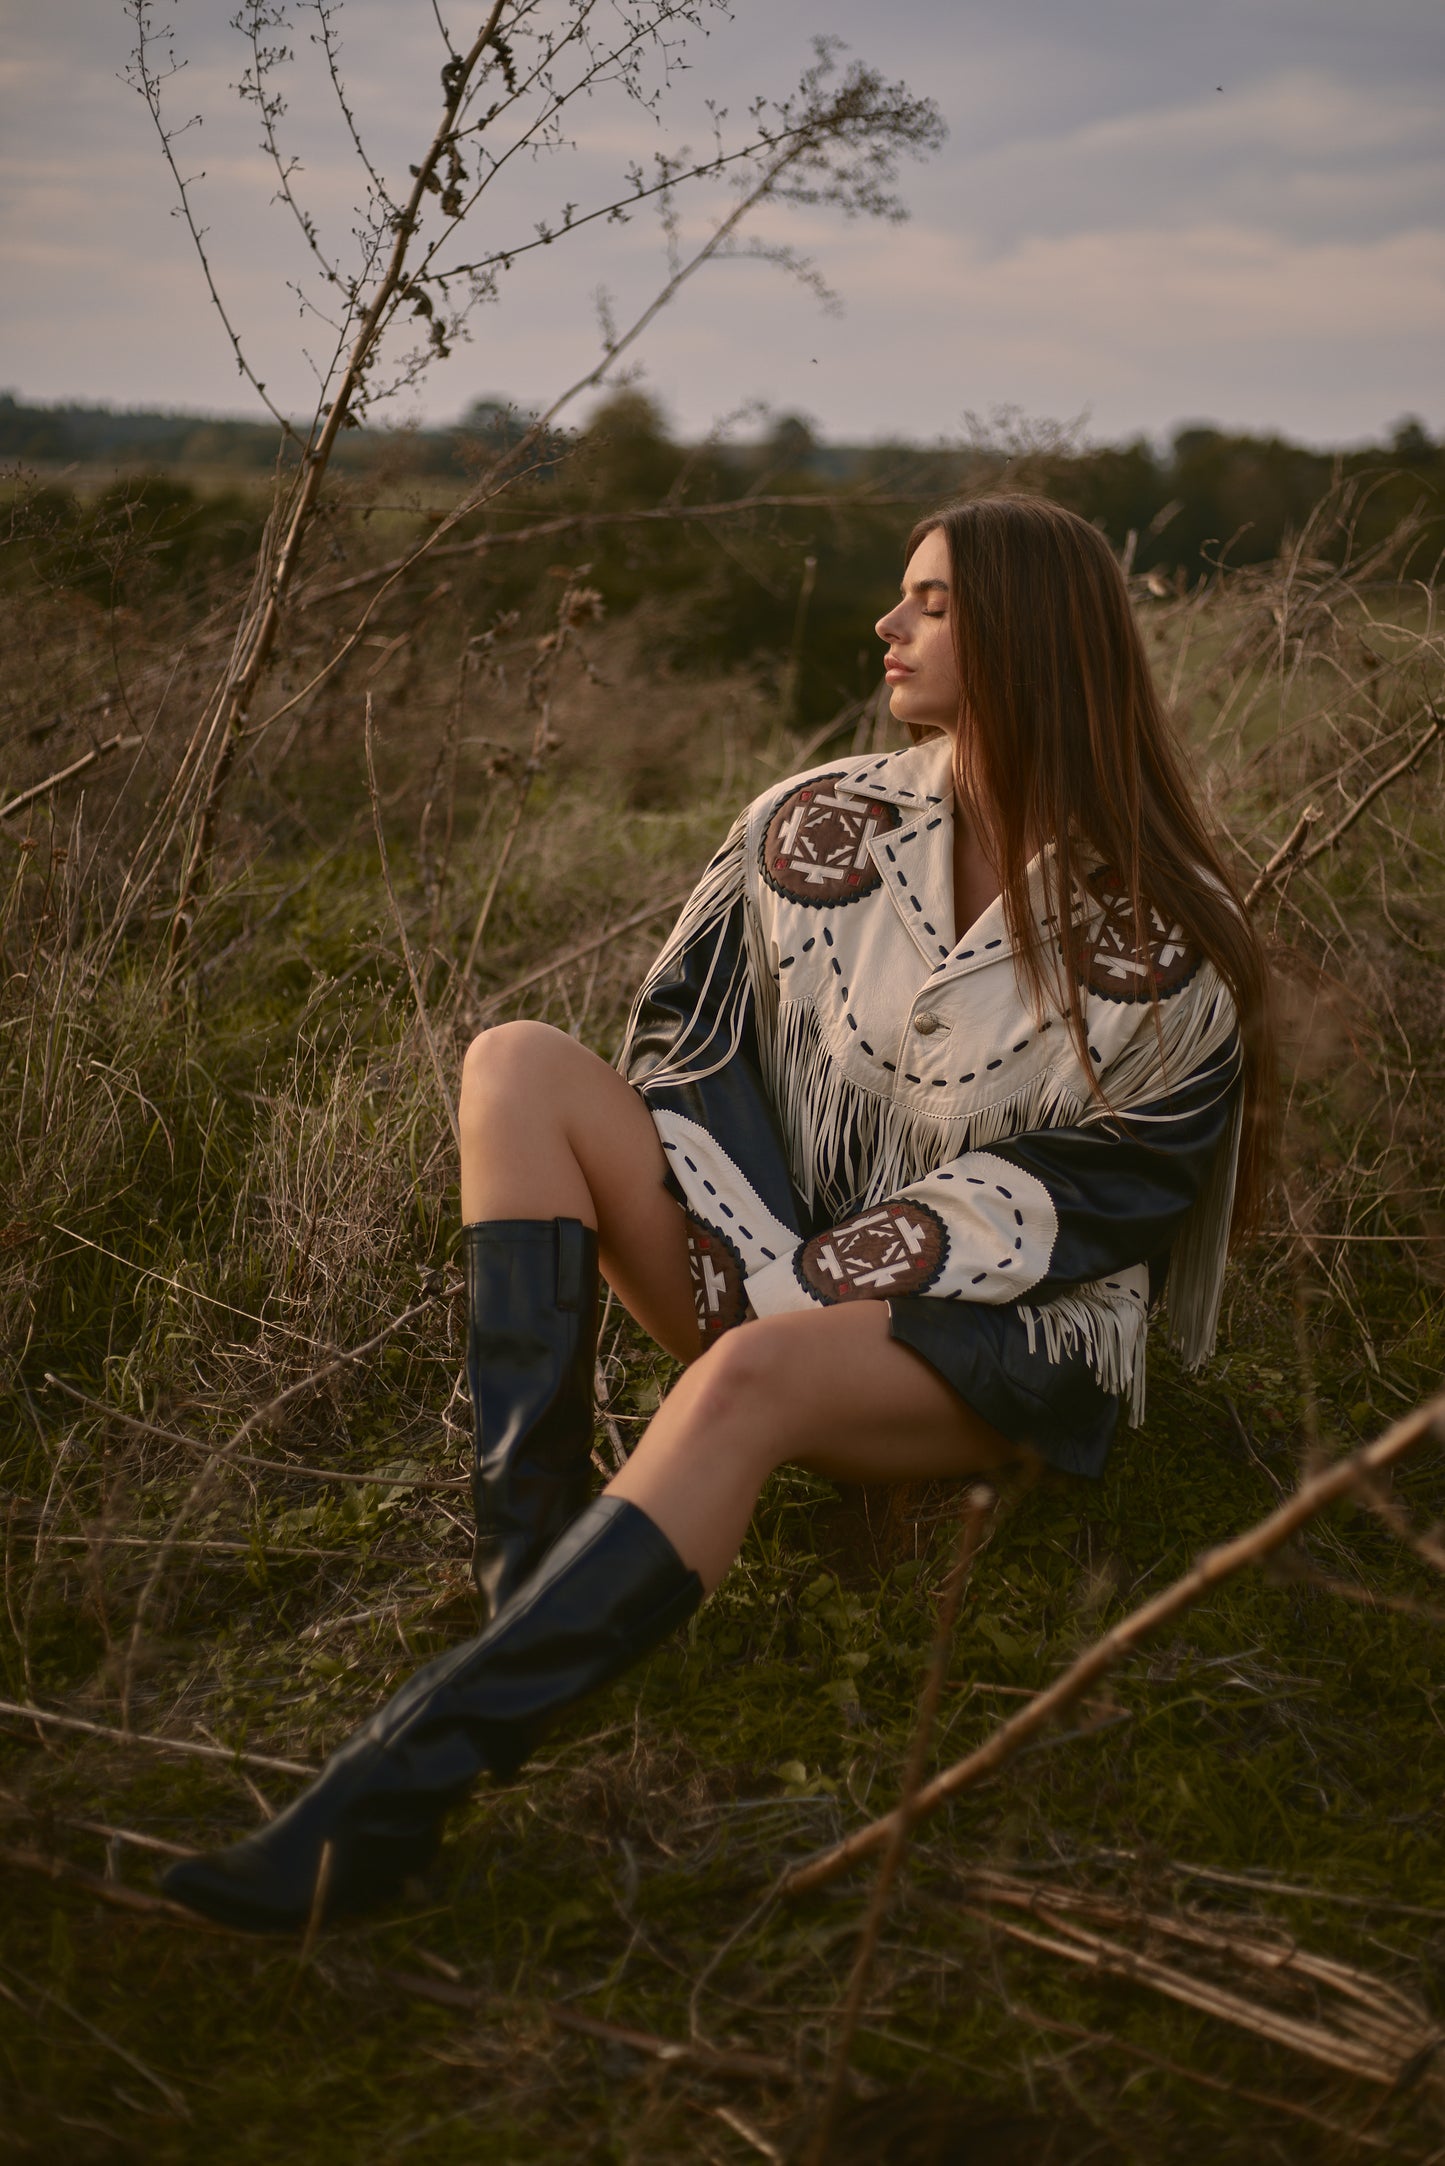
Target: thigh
[
  {"x": 827, "y": 1389},
  {"x": 847, "y": 1400}
]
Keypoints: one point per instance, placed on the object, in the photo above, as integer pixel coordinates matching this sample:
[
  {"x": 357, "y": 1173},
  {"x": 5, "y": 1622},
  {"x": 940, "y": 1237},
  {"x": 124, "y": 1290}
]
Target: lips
[{"x": 892, "y": 667}]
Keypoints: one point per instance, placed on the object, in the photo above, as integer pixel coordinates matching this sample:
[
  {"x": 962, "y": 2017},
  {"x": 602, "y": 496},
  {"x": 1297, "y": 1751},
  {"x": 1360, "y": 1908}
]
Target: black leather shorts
[{"x": 983, "y": 1352}]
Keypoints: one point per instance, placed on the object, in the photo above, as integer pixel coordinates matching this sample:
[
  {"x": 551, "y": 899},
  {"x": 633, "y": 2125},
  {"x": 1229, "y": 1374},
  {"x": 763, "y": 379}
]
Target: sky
[{"x": 1147, "y": 213}]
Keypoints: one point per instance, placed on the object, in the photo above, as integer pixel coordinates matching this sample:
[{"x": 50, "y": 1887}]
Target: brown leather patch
[
  {"x": 1123, "y": 965},
  {"x": 816, "y": 847},
  {"x": 718, "y": 1285},
  {"x": 897, "y": 1248}
]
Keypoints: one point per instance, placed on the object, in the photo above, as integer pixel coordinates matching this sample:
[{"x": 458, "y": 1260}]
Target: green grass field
[{"x": 1118, "y": 1948}]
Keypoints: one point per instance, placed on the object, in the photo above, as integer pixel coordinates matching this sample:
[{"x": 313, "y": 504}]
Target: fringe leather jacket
[{"x": 857, "y": 1103}]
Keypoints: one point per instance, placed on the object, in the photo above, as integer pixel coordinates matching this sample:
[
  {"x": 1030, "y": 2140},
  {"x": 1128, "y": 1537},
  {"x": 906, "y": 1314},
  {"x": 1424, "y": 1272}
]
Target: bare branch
[
  {"x": 118, "y": 743},
  {"x": 48, "y": 1718},
  {"x": 1425, "y": 1425}
]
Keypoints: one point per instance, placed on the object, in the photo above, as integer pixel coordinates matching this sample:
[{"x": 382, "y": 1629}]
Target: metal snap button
[{"x": 925, "y": 1022}]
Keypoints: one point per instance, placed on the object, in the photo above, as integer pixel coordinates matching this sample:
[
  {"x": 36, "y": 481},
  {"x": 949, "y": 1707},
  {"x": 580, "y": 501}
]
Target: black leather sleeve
[
  {"x": 1122, "y": 1187},
  {"x": 699, "y": 1013}
]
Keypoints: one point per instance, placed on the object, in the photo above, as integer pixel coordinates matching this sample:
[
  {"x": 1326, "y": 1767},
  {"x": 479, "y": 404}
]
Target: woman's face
[{"x": 920, "y": 667}]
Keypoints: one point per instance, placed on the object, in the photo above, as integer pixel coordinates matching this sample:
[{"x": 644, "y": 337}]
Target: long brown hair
[{"x": 1063, "y": 739}]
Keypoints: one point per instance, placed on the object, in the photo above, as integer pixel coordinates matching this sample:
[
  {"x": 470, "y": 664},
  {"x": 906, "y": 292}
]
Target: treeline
[{"x": 792, "y": 588}]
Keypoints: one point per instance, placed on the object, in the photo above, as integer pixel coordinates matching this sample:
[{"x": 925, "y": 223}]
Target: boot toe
[
  {"x": 267, "y": 1883},
  {"x": 243, "y": 1888}
]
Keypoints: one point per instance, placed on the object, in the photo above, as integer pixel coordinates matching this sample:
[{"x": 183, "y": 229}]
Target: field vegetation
[
  {"x": 306, "y": 781},
  {"x": 1203, "y": 1915}
]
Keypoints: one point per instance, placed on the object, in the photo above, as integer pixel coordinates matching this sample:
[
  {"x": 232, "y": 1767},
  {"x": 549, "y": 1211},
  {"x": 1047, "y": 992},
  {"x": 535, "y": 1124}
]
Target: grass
[{"x": 213, "y": 1185}]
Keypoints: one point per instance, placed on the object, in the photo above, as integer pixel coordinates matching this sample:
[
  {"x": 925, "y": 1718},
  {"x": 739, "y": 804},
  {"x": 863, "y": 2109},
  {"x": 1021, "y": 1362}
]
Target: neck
[{"x": 975, "y": 876}]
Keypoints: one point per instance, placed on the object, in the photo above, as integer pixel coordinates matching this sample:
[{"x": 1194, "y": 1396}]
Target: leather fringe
[{"x": 1108, "y": 1324}]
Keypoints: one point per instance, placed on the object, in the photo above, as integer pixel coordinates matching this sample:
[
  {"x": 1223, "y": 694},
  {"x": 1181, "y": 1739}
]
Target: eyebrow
[{"x": 924, "y": 586}]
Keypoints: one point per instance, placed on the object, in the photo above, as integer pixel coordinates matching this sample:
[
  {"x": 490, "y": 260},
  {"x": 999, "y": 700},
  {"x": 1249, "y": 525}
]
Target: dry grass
[{"x": 231, "y": 1540}]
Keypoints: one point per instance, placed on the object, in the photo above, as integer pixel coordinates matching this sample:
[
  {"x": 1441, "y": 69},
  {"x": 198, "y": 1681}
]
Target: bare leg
[
  {"x": 550, "y": 1131},
  {"x": 825, "y": 1389}
]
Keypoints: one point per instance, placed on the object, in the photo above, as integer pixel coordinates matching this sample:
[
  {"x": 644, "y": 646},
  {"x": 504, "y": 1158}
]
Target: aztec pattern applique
[
  {"x": 718, "y": 1289},
  {"x": 899, "y": 1248},
  {"x": 1121, "y": 967},
  {"x": 816, "y": 846}
]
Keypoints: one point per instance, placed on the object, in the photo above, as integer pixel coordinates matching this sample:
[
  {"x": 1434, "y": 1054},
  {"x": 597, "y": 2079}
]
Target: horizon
[{"x": 1082, "y": 444}]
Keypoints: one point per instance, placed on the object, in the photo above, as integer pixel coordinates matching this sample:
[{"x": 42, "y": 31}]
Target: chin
[{"x": 915, "y": 714}]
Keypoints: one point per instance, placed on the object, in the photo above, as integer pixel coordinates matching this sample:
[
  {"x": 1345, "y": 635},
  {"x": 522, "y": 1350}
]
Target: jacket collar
[
  {"x": 919, "y": 781},
  {"x": 914, "y": 779}
]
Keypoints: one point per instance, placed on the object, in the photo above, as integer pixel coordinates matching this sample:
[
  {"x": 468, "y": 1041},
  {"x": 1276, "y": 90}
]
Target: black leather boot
[
  {"x": 607, "y": 1592},
  {"x": 531, "y": 1359}
]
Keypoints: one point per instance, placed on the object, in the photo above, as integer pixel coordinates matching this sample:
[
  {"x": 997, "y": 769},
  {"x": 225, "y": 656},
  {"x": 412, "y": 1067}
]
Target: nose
[{"x": 887, "y": 626}]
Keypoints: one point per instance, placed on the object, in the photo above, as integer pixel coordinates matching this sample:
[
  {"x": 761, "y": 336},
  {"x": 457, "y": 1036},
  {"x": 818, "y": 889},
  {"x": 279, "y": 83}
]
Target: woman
[{"x": 952, "y": 1055}]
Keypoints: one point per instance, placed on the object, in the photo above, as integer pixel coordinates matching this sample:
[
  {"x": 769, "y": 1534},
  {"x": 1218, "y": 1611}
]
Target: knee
[
  {"x": 742, "y": 1394},
  {"x": 513, "y": 1057}
]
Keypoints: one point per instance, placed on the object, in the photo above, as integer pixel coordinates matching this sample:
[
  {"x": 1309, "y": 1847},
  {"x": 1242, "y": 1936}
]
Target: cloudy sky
[{"x": 1147, "y": 211}]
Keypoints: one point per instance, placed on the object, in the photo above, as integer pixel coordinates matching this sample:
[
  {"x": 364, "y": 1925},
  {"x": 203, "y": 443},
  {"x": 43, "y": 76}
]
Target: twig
[
  {"x": 179, "y": 1286},
  {"x": 672, "y": 900},
  {"x": 118, "y": 743},
  {"x": 183, "y": 1745},
  {"x": 524, "y": 791},
  {"x": 1377, "y": 2058},
  {"x": 257, "y": 638},
  {"x": 114, "y": 1892},
  {"x": 721, "y": 2060},
  {"x": 297, "y": 1468},
  {"x": 102, "y": 1828},
  {"x": 221, "y": 1453},
  {"x": 1285, "y": 856},
  {"x": 319, "y": 1892},
  {"x": 1258, "y": 1885},
  {"x": 1292, "y": 854},
  {"x": 1213, "y": 1567},
  {"x": 978, "y": 1504},
  {"x": 48, "y": 1995},
  {"x": 588, "y": 521},
  {"x": 724, "y": 2060},
  {"x": 423, "y": 1018},
  {"x": 740, "y": 2126},
  {"x": 1268, "y": 2099}
]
